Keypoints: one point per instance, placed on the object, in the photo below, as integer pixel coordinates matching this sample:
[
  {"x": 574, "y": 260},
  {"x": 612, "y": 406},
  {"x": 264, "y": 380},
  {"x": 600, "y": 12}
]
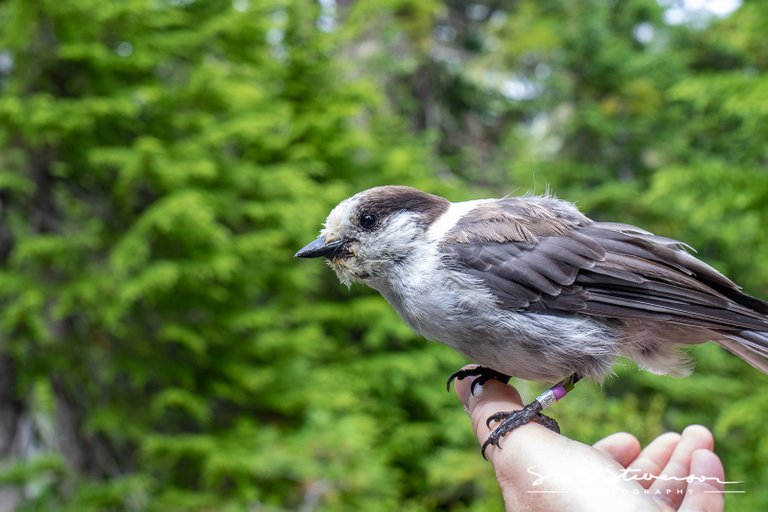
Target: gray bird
[{"x": 530, "y": 287}]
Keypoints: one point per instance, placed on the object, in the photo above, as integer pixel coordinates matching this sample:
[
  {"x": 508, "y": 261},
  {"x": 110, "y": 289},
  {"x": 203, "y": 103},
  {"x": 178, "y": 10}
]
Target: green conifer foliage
[{"x": 162, "y": 160}]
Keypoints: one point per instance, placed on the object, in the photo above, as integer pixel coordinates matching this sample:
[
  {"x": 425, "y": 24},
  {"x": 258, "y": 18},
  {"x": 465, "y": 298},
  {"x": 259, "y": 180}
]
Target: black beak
[{"x": 319, "y": 247}]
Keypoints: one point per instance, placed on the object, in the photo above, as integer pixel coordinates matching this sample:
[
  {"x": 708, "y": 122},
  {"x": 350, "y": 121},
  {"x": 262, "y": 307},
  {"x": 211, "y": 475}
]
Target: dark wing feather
[{"x": 600, "y": 269}]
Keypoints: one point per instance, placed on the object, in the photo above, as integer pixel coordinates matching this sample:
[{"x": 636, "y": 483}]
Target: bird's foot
[
  {"x": 511, "y": 420},
  {"x": 483, "y": 375}
]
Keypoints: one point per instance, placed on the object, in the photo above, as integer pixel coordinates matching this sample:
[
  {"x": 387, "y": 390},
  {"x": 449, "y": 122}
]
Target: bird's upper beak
[{"x": 319, "y": 247}]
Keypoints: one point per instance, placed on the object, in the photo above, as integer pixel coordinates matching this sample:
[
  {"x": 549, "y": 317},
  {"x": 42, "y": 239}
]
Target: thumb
[
  {"x": 490, "y": 398},
  {"x": 530, "y": 446},
  {"x": 540, "y": 470}
]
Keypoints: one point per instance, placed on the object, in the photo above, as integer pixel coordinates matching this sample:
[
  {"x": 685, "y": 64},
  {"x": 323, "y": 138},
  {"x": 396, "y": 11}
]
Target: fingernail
[{"x": 476, "y": 389}]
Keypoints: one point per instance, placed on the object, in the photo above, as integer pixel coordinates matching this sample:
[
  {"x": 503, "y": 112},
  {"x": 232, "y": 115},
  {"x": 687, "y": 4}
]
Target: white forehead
[{"x": 341, "y": 215}]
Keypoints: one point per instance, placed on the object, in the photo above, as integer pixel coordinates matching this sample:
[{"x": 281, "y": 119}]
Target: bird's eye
[{"x": 369, "y": 220}]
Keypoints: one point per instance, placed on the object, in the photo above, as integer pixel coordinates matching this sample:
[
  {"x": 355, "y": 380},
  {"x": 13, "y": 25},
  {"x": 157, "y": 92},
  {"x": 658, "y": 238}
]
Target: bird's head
[{"x": 370, "y": 234}]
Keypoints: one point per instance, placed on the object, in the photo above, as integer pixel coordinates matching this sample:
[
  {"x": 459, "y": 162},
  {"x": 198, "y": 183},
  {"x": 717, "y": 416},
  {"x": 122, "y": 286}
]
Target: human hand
[{"x": 539, "y": 470}]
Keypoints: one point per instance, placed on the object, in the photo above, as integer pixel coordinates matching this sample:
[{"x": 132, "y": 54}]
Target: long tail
[{"x": 751, "y": 346}]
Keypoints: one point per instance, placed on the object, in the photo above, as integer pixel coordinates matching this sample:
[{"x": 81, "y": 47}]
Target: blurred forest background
[{"x": 162, "y": 160}]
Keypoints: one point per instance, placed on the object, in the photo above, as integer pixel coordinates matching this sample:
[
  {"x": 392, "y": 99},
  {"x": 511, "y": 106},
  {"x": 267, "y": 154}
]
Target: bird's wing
[{"x": 534, "y": 256}]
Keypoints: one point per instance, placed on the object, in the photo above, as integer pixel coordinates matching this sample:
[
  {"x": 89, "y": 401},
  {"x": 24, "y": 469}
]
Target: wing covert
[{"x": 575, "y": 265}]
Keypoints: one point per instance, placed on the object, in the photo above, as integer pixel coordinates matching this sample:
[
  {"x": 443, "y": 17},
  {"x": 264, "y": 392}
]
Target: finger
[
  {"x": 653, "y": 458},
  {"x": 621, "y": 447},
  {"x": 535, "y": 466},
  {"x": 487, "y": 399},
  {"x": 670, "y": 487},
  {"x": 493, "y": 397},
  {"x": 705, "y": 494}
]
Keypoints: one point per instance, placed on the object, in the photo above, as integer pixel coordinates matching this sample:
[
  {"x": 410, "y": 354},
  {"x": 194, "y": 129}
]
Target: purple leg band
[{"x": 559, "y": 391}]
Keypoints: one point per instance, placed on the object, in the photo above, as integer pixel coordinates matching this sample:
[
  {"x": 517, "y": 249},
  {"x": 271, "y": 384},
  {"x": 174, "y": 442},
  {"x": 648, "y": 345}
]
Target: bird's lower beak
[{"x": 319, "y": 247}]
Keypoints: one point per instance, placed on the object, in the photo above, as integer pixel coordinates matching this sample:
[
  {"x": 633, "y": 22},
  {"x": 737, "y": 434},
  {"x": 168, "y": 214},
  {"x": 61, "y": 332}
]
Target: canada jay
[{"x": 530, "y": 287}]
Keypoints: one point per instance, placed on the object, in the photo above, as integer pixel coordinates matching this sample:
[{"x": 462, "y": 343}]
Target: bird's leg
[
  {"x": 511, "y": 420},
  {"x": 483, "y": 375}
]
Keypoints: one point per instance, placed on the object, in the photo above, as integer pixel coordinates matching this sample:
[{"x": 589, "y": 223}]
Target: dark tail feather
[{"x": 751, "y": 346}]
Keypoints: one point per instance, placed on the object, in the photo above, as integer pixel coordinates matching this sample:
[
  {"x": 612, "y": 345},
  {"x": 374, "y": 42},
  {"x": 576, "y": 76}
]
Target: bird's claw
[
  {"x": 483, "y": 375},
  {"x": 509, "y": 420},
  {"x": 512, "y": 420}
]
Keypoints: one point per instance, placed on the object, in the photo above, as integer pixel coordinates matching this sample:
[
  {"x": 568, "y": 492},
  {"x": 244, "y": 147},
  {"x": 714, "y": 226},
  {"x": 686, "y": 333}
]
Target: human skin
[{"x": 539, "y": 470}]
